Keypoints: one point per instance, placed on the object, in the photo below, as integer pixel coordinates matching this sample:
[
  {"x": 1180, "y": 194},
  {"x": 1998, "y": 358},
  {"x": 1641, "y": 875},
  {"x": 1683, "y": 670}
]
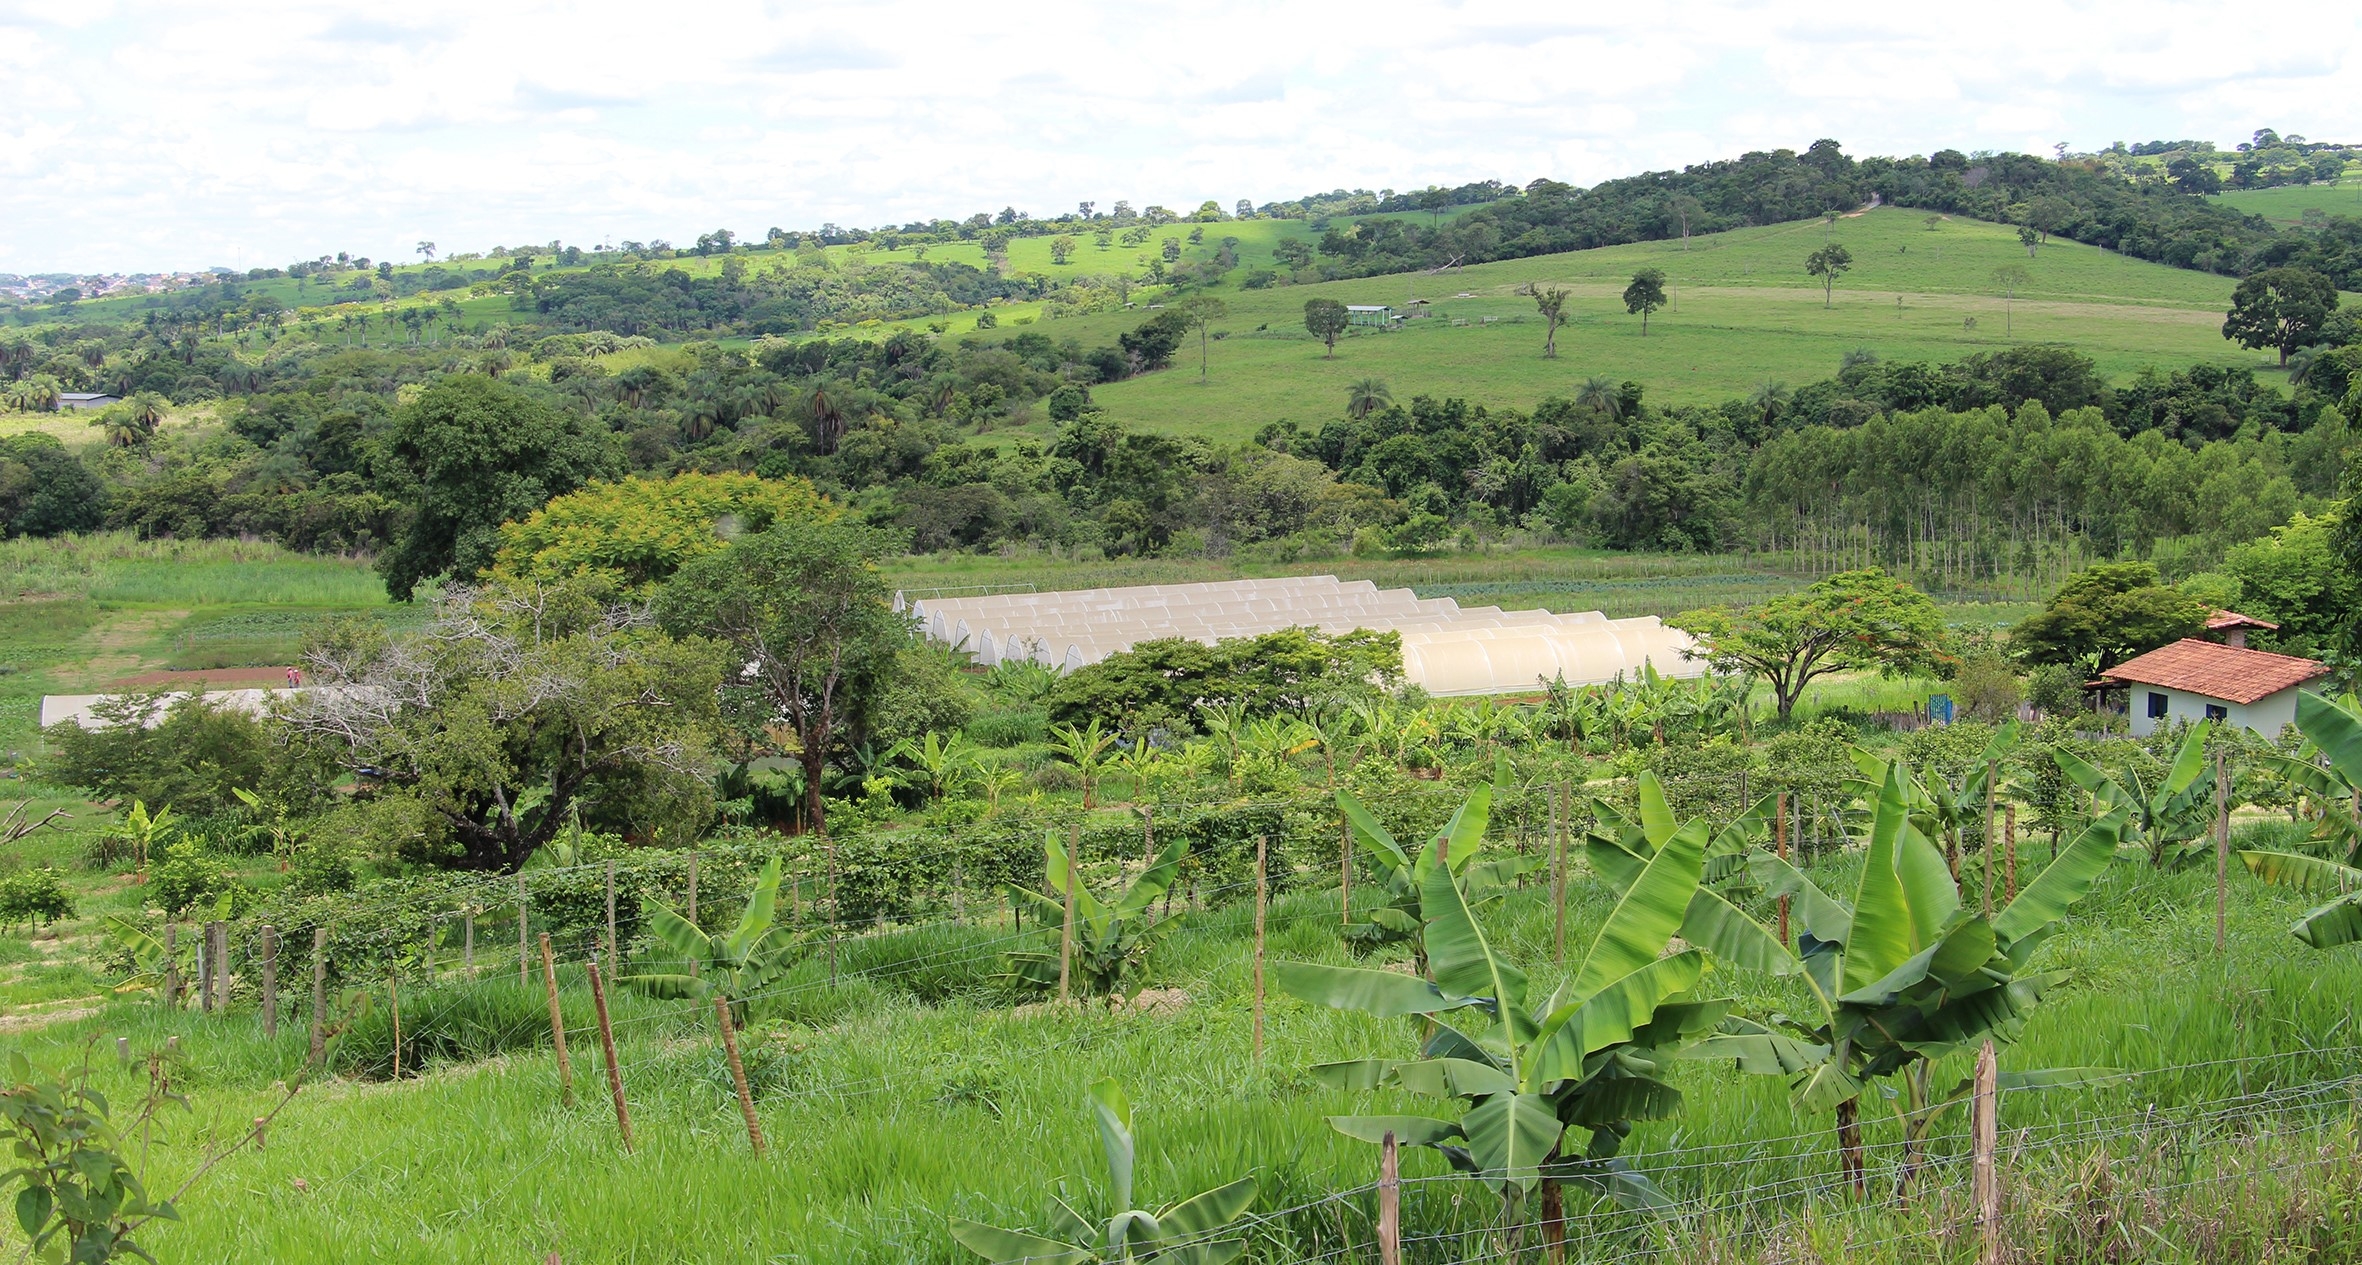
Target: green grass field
[
  {"x": 2288, "y": 203},
  {"x": 1742, "y": 311}
]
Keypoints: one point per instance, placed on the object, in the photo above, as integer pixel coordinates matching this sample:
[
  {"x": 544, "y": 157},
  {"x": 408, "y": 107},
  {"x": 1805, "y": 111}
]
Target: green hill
[{"x": 1743, "y": 310}]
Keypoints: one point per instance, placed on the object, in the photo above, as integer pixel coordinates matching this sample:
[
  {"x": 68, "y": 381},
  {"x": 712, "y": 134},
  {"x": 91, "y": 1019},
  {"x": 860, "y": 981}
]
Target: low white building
[{"x": 2193, "y": 680}]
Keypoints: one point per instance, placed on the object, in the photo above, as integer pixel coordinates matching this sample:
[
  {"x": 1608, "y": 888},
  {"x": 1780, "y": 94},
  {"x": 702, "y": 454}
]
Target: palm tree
[
  {"x": 1368, "y": 396},
  {"x": 828, "y": 421},
  {"x": 701, "y": 419},
  {"x": 1770, "y": 400},
  {"x": 1599, "y": 394}
]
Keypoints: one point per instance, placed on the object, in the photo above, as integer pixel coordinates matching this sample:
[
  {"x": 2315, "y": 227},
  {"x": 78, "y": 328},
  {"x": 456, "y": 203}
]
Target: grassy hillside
[
  {"x": 1742, "y": 310},
  {"x": 2288, "y": 203}
]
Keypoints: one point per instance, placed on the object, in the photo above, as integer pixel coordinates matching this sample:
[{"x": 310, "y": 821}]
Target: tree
[
  {"x": 803, "y": 607},
  {"x": 2031, "y": 239},
  {"x": 1828, "y": 263},
  {"x": 1368, "y": 396},
  {"x": 483, "y": 453},
  {"x": 2009, "y": 279},
  {"x": 1550, "y": 301},
  {"x": 636, "y": 532},
  {"x": 1645, "y": 295},
  {"x": 519, "y": 707},
  {"x": 2106, "y": 614},
  {"x": 2280, "y": 308},
  {"x": 427, "y": 249},
  {"x": 1062, "y": 248},
  {"x": 1325, "y": 319},
  {"x": 1849, "y": 622},
  {"x": 1198, "y": 313}
]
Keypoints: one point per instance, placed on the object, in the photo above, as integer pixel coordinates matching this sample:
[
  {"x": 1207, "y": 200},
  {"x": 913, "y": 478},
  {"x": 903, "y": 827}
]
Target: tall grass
[{"x": 120, "y": 568}]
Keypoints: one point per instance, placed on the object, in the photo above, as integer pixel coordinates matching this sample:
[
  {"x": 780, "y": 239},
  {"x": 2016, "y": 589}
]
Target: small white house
[{"x": 2193, "y": 680}]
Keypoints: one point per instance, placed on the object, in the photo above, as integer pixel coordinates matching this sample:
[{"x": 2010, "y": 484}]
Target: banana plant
[
  {"x": 1110, "y": 940},
  {"x": 2333, "y": 729},
  {"x": 738, "y": 964},
  {"x": 150, "y": 963},
  {"x": 1903, "y": 976},
  {"x": 1086, "y": 749},
  {"x": 1619, "y": 844},
  {"x": 944, "y": 765},
  {"x": 2327, "y": 768},
  {"x": 2171, "y": 818},
  {"x": 1941, "y": 808},
  {"x": 1190, "y": 1232},
  {"x": 1544, "y": 1090},
  {"x": 1397, "y": 919}
]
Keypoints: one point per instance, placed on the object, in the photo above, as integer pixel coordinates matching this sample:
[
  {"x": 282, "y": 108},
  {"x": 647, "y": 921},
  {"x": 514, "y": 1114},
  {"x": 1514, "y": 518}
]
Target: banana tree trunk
[
  {"x": 1553, "y": 1221},
  {"x": 1849, "y": 1146}
]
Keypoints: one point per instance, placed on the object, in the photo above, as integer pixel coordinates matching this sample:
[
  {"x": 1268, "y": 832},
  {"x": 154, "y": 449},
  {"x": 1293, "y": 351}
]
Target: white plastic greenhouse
[{"x": 1446, "y": 649}]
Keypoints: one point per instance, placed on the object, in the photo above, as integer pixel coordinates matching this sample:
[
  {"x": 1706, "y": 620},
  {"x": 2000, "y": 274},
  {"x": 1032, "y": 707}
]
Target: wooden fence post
[
  {"x": 1389, "y": 1202},
  {"x": 205, "y": 968},
  {"x": 319, "y": 993},
  {"x": 1559, "y": 828},
  {"x": 1262, "y": 888},
  {"x": 1985, "y": 1130},
  {"x": 2222, "y": 851},
  {"x": 614, "y": 951},
  {"x": 2009, "y": 845},
  {"x": 1074, "y": 878},
  {"x": 623, "y": 1118},
  {"x": 799, "y": 913},
  {"x": 524, "y": 945},
  {"x": 468, "y": 929},
  {"x": 1992, "y": 775},
  {"x": 172, "y": 965},
  {"x": 217, "y": 940},
  {"x": 270, "y": 980},
  {"x": 1780, "y": 840},
  {"x": 746, "y": 1098},
  {"x": 1345, "y": 872},
  {"x": 393, "y": 989},
  {"x": 557, "y": 1021},
  {"x": 836, "y": 904}
]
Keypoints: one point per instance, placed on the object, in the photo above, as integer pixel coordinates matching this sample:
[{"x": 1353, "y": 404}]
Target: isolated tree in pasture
[
  {"x": 1198, "y": 313},
  {"x": 1829, "y": 263},
  {"x": 1850, "y": 622},
  {"x": 1062, "y": 248},
  {"x": 427, "y": 249},
  {"x": 1325, "y": 320},
  {"x": 1645, "y": 295},
  {"x": 2031, "y": 239},
  {"x": 2009, "y": 279},
  {"x": 2280, "y": 308},
  {"x": 1368, "y": 396},
  {"x": 1686, "y": 211},
  {"x": 1550, "y": 301}
]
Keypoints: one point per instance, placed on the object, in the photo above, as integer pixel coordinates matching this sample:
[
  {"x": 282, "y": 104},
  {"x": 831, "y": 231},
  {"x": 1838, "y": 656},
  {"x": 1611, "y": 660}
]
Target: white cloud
[{"x": 243, "y": 132}]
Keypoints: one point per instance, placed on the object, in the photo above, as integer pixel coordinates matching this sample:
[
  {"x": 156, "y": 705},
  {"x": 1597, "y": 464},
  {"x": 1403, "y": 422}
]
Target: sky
[{"x": 149, "y": 137}]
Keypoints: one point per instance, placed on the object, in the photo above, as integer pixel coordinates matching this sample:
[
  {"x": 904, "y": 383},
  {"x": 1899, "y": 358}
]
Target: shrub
[
  {"x": 455, "y": 1023},
  {"x": 189, "y": 878},
  {"x": 33, "y": 897}
]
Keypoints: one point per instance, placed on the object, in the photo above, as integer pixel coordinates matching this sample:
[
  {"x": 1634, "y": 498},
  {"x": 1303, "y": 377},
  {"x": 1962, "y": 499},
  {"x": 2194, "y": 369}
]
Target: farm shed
[
  {"x": 1369, "y": 314},
  {"x": 1447, "y": 648},
  {"x": 86, "y": 399},
  {"x": 2194, "y": 680}
]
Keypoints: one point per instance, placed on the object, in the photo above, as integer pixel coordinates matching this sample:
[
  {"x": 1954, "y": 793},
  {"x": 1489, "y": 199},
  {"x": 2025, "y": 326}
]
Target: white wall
[{"x": 2266, "y": 715}]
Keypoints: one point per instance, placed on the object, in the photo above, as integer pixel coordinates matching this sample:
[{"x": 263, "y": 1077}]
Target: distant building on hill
[
  {"x": 86, "y": 399},
  {"x": 1377, "y": 314}
]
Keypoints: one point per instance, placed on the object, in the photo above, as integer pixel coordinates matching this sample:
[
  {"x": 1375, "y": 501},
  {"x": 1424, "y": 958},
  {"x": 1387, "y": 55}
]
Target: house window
[
  {"x": 2216, "y": 711},
  {"x": 2156, "y": 706}
]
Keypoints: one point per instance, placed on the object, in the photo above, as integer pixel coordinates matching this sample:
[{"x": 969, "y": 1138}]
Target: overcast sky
[{"x": 155, "y": 136}]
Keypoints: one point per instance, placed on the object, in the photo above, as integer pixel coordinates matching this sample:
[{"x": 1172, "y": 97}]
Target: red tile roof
[
  {"x": 2230, "y": 673},
  {"x": 2222, "y": 620}
]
